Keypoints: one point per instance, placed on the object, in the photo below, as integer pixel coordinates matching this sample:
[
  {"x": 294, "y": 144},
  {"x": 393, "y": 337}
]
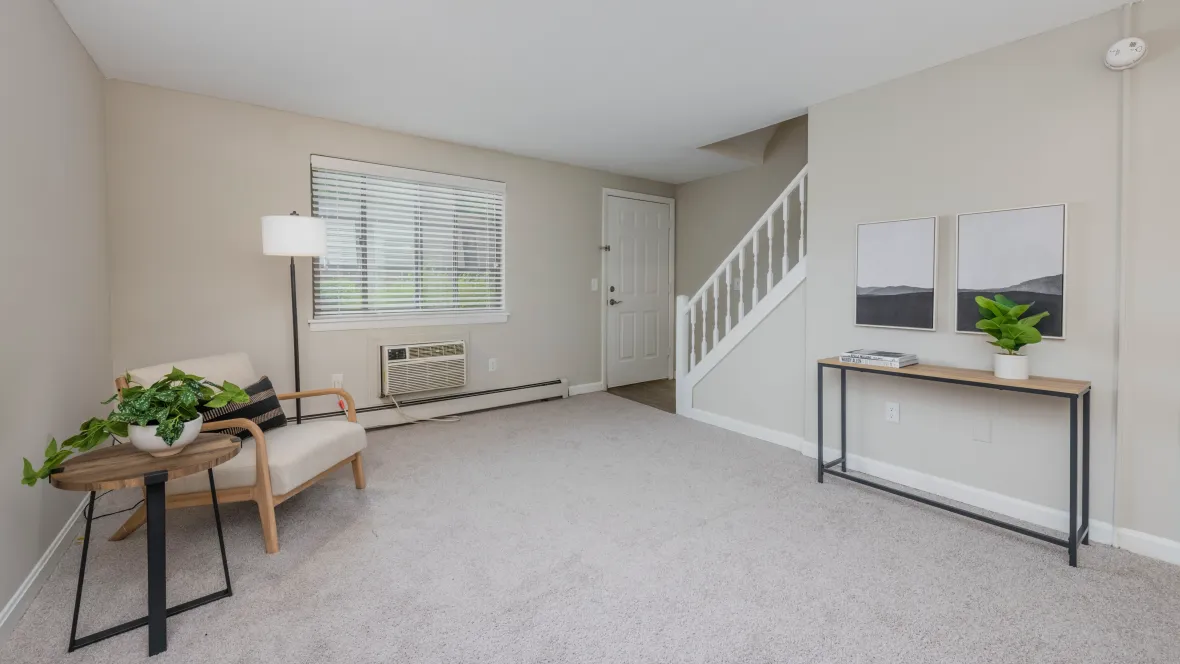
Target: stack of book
[{"x": 879, "y": 358}]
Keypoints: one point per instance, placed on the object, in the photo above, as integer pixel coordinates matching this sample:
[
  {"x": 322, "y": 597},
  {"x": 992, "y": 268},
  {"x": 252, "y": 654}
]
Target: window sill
[{"x": 412, "y": 320}]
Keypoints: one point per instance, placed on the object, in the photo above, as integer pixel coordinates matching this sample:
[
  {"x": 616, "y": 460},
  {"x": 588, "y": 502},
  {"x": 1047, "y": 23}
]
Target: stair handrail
[{"x": 748, "y": 237}]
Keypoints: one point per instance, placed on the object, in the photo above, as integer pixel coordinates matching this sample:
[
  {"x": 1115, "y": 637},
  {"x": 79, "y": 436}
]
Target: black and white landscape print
[
  {"x": 895, "y": 264},
  {"x": 1020, "y": 253}
]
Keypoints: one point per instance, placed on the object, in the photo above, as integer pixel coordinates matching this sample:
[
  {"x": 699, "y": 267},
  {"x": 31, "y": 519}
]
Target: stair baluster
[
  {"x": 728, "y": 297},
  {"x": 754, "y": 295},
  {"x": 741, "y": 285}
]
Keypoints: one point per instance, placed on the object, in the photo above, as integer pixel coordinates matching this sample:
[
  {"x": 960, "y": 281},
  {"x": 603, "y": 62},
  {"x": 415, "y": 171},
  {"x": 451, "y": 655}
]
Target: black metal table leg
[
  {"x": 81, "y": 576},
  {"x": 819, "y": 444},
  {"x": 1073, "y": 481},
  {"x": 157, "y": 563},
  {"x": 158, "y": 610},
  {"x": 220, "y": 538},
  {"x": 843, "y": 421},
  {"x": 1086, "y": 468}
]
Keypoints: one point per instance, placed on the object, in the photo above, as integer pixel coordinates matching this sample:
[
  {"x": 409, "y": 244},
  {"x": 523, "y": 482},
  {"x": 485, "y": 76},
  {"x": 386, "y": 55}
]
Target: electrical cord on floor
[{"x": 411, "y": 418}]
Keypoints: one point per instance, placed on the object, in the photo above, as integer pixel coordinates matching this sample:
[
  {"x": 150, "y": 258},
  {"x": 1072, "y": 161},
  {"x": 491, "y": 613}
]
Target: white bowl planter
[
  {"x": 1011, "y": 367},
  {"x": 145, "y": 438}
]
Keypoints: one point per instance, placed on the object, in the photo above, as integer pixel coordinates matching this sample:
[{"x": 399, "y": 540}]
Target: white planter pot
[
  {"x": 1012, "y": 367},
  {"x": 145, "y": 438}
]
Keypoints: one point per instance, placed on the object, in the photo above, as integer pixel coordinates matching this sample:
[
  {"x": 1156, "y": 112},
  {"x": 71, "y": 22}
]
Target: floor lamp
[{"x": 293, "y": 236}]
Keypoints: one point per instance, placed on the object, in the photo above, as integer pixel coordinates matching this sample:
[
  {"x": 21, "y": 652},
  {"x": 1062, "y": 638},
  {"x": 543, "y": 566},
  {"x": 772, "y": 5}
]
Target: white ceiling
[{"x": 629, "y": 86}]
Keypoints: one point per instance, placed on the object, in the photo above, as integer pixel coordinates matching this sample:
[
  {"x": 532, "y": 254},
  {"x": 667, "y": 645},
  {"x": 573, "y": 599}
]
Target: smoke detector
[{"x": 1126, "y": 53}]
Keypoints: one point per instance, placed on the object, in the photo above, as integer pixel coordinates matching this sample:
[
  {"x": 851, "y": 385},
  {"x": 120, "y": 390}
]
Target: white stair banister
[{"x": 692, "y": 363}]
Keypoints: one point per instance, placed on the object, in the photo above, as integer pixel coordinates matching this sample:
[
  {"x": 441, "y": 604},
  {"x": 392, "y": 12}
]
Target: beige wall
[
  {"x": 190, "y": 176},
  {"x": 1149, "y": 456},
  {"x": 54, "y": 343},
  {"x": 1030, "y": 123},
  {"x": 713, "y": 214}
]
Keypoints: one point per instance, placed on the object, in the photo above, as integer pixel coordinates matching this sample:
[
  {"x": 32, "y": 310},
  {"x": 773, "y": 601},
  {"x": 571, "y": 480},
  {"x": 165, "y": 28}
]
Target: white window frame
[{"x": 418, "y": 319}]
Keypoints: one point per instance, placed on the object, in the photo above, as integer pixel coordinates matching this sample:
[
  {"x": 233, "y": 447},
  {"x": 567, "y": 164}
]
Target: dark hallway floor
[{"x": 659, "y": 394}]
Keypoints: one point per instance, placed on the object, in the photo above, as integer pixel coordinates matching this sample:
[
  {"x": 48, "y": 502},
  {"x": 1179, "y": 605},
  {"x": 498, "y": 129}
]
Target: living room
[{"x": 271, "y": 203}]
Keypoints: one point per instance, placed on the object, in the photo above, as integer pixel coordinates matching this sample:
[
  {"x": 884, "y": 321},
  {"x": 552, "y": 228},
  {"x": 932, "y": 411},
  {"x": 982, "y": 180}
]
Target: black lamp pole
[{"x": 295, "y": 336}]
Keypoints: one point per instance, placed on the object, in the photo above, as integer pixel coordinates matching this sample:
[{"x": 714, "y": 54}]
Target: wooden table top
[
  {"x": 1060, "y": 386},
  {"x": 123, "y": 466}
]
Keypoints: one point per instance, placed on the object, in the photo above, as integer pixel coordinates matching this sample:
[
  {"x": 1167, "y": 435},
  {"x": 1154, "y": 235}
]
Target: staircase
[{"x": 725, "y": 310}]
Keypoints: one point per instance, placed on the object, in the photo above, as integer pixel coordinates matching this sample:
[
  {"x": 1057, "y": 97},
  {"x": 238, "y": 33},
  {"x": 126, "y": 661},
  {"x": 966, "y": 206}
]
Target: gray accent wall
[{"x": 55, "y": 339}]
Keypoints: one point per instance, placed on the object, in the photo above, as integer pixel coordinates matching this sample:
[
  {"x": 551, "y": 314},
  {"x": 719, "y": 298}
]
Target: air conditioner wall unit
[{"x": 420, "y": 367}]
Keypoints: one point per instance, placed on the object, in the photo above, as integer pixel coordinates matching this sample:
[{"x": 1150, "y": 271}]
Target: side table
[{"x": 125, "y": 467}]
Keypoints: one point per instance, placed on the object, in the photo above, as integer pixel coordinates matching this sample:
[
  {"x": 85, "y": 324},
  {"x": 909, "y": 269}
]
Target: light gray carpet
[{"x": 596, "y": 529}]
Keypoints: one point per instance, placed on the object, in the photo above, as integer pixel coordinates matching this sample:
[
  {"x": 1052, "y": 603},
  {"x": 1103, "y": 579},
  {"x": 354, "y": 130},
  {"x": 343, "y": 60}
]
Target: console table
[
  {"x": 124, "y": 467},
  {"x": 1072, "y": 390}
]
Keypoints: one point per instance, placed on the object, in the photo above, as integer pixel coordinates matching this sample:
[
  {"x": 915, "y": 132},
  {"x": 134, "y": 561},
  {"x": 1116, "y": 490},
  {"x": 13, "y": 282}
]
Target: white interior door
[{"x": 639, "y": 286}]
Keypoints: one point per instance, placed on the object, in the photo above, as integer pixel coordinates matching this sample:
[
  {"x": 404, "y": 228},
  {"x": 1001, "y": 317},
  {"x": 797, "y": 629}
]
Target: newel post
[{"x": 682, "y": 336}]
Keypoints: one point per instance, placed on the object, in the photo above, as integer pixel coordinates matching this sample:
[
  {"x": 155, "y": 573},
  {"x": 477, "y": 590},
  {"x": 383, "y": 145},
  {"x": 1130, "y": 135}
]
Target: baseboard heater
[{"x": 551, "y": 389}]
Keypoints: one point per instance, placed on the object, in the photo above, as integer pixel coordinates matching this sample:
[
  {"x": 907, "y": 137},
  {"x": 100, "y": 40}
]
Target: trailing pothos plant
[
  {"x": 167, "y": 403},
  {"x": 1001, "y": 318}
]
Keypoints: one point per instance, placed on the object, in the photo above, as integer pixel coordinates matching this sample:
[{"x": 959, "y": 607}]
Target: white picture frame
[
  {"x": 896, "y": 250},
  {"x": 1036, "y": 240}
]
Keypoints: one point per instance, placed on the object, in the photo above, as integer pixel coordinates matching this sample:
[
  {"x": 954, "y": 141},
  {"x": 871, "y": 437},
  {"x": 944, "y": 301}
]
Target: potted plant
[
  {"x": 1001, "y": 318},
  {"x": 160, "y": 419}
]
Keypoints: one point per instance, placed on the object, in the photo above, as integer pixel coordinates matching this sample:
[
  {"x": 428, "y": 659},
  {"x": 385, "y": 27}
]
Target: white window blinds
[{"x": 406, "y": 242}]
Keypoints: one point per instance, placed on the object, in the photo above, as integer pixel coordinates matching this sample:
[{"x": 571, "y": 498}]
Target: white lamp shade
[{"x": 290, "y": 235}]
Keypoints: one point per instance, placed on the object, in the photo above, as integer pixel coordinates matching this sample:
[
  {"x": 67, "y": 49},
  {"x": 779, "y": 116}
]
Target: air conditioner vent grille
[
  {"x": 422, "y": 367},
  {"x": 435, "y": 350}
]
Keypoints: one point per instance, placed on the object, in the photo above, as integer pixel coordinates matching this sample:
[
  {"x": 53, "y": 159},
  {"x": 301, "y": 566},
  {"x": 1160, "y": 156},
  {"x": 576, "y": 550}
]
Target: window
[{"x": 404, "y": 245}]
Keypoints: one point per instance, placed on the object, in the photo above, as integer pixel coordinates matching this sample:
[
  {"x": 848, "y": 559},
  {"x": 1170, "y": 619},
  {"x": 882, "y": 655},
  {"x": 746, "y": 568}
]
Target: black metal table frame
[
  {"x": 158, "y": 609},
  {"x": 1076, "y": 533}
]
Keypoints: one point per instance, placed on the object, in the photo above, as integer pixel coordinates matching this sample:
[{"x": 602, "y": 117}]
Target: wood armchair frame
[{"x": 261, "y": 492}]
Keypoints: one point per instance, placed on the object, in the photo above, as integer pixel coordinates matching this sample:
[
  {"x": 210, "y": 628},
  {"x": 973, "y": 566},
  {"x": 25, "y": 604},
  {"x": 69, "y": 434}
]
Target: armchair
[{"x": 271, "y": 467}]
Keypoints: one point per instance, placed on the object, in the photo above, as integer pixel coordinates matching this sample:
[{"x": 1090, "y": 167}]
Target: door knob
[{"x": 613, "y": 301}]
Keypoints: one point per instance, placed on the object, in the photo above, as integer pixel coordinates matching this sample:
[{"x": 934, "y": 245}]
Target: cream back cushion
[{"x": 234, "y": 367}]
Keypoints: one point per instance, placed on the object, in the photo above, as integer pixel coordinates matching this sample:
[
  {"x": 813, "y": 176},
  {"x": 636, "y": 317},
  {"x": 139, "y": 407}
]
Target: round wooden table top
[{"x": 123, "y": 466}]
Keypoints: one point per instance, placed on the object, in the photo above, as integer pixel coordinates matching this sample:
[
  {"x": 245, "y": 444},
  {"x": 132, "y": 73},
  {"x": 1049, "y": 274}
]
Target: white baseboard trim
[
  {"x": 27, "y": 592},
  {"x": 587, "y": 388},
  {"x": 1040, "y": 515},
  {"x": 775, "y": 436},
  {"x": 1151, "y": 546},
  {"x": 467, "y": 404}
]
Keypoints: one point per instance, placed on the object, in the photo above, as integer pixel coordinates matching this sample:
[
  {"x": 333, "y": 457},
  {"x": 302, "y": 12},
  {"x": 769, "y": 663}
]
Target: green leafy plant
[
  {"x": 167, "y": 403},
  {"x": 1001, "y": 318}
]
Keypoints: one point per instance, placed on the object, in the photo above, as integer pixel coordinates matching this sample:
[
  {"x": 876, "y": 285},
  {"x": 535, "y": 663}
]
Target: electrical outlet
[
  {"x": 338, "y": 381},
  {"x": 892, "y": 411},
  {"x": 594, "y": 284},
  {"x": 492, "y": 364}
]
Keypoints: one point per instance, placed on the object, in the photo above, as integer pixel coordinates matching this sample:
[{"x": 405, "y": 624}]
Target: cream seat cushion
[{"x": 296, "y": 452}]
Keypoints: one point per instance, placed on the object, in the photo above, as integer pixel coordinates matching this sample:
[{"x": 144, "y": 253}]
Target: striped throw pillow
[{"x": 263, "y": 409}]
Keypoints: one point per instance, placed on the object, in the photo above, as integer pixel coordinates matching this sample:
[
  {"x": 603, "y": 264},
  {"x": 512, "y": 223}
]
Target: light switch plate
[{"x": 594, "y": 284}]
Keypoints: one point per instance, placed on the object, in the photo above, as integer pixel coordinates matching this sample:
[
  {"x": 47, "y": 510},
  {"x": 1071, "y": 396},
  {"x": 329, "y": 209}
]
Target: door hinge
[{"x": 605, "y": 247}]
